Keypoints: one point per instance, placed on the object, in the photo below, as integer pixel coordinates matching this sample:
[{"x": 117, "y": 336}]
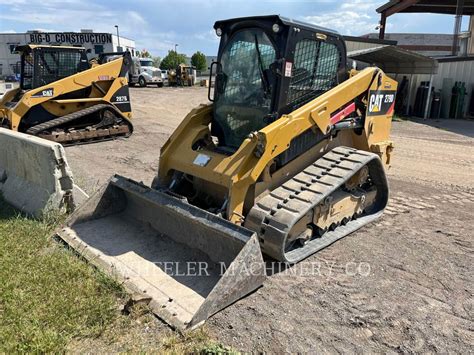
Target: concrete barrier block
[{"x": 35, "y": 176}]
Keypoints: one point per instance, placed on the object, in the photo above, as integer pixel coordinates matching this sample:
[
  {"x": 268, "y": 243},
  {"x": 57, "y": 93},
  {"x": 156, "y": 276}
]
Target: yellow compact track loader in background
[
  {"x": 183, "y": 75},
  {"x": 64, "y": 99},
  {"x": 289, "y": 158}
]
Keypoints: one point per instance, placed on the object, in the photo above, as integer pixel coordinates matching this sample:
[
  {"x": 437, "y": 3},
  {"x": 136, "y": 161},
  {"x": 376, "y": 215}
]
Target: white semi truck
[{"x": 143, "y": 73}]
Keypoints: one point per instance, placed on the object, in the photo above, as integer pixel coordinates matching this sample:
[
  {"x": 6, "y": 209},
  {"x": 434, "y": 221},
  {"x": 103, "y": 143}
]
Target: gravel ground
[
  {"x": 402, "y": 284},
  {"x": 157, "y": 112}
]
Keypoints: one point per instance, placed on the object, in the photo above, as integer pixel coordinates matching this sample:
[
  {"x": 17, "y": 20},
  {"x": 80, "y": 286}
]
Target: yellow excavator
[
  {"x": 288, "y": 158},
  {"x": 63, "y": 98}
]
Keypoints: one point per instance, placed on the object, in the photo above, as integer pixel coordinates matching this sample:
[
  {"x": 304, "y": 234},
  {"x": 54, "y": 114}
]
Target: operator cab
[
  {"x": 41, "y": 65},
  {"x": 268, "y": 66}
]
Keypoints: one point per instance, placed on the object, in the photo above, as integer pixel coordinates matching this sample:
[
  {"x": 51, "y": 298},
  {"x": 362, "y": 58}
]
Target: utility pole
[
  {"x": 471, "y": 31},
  {"x": 118, "y": 37},
  {"x": 457, "y": 26}
]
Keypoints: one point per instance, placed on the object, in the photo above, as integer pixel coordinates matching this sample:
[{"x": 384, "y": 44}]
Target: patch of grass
[
  {"x": 146, "y": 334},
  {"x": 48, "y": 296},
  {"x": 213, "y": 348},
  {"x": 51, "y": 300},
  {"x": 195, "y": 342}
]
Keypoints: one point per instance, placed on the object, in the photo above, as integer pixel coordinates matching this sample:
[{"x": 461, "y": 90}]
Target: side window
[
  {"x": 27, "y": 73},
  {"x": 54, "y": 65},
  {"x": 314, "y": 71},
  {"x": 68, "y": 63},
  {"x": 12, "y": 47}
]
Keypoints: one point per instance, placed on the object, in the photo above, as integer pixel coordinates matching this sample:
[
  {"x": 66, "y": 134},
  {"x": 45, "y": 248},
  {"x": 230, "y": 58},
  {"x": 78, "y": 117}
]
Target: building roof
[
  {"x": 446, "y": 59},
  {"x": 395, "y": 60},
  {"x": 425, "y": 6},
  {"x": 367, "y": 39}
]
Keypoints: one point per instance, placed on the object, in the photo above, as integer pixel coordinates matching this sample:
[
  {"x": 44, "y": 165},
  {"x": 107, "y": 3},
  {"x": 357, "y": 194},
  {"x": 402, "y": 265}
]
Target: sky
[{"x": 158, "y": 25}]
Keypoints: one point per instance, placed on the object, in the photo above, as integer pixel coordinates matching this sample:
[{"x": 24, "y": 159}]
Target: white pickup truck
[{"x": 142, "y": 72}]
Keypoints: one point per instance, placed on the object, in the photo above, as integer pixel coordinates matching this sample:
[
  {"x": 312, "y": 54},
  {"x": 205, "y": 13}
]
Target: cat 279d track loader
[
  {"x": 64, "y": 99},
  {"x": 289, "y": 158}
]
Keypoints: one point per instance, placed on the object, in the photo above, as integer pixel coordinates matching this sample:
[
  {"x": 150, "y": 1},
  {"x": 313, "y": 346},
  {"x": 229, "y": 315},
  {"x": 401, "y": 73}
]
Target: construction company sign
[{"x": 70, "y": 37}]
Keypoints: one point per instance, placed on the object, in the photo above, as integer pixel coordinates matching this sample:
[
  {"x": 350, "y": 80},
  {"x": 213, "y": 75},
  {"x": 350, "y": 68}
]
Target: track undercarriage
[
  {"x": 96, "y": 123},
  {"x": 337, "y": 194}
]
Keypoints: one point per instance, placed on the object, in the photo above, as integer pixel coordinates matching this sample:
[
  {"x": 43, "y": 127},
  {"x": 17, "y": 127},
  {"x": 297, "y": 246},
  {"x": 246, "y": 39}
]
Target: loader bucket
[{"x": 186, "y": 262}]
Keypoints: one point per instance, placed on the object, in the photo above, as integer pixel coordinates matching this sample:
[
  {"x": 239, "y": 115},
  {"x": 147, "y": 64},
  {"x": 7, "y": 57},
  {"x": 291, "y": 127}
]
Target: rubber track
[
  {"x": 65, "y": 119},
  {"x": 274, "y": 215},
  {"x": 36, "y": 130}
]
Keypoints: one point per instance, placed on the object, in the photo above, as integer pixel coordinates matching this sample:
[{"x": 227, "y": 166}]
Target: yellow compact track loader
[
  {"x": 183, "y": 75},
  {"x": 65, "y": 99},
  {"x": 289, "y": 157}
]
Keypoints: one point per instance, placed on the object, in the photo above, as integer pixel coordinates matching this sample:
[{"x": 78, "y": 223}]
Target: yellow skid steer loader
[
  {"x": 183, "y": 75},
  {"x": 288, "y": 158},
  {"x": 64, "y": 99}
]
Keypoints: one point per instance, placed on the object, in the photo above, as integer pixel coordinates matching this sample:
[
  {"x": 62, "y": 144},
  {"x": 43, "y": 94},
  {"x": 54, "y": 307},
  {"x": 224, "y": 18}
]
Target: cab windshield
[
  {"x": 243, "y": 97},
  {"x": 146, "y": 63}
]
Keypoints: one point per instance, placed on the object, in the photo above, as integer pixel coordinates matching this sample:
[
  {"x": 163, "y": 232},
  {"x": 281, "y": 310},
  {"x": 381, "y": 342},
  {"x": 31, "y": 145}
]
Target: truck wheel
[{"x": 142, "y": 82}]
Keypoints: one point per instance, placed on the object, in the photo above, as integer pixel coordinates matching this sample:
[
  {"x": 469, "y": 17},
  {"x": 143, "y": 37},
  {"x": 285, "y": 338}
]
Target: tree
[
  {"x": 145, "y": 54},
  {"x": 172, "y": 60},
  {"x": 156, "y": 62},
  {"x": 199, "y": 61}
]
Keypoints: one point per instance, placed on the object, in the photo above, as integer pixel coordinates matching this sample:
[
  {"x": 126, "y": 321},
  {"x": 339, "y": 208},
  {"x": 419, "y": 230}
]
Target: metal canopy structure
[
  {"x": 425, "y": 6},
  {"x": 396, "y": 60},
  {"x": 459, "y": 8}
]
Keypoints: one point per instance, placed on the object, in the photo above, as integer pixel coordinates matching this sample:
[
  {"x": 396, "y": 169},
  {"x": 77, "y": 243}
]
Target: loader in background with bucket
[
  {"x": 289, "y": 158},
  {"x": 65, "y": 99}
]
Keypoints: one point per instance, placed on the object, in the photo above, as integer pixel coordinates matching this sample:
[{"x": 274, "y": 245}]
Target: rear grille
[{"x": 299, "y": 145}]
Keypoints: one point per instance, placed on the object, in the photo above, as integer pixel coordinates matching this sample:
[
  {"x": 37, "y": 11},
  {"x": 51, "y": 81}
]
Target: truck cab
[{"x": 143, "y": 73}]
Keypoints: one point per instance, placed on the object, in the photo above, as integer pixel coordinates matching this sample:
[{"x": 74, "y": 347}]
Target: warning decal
[{"x": 288, "y": 67}]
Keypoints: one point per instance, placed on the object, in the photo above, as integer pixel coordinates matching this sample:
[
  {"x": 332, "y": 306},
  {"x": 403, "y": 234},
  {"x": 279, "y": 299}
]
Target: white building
[{"x": 95, "y": 42}]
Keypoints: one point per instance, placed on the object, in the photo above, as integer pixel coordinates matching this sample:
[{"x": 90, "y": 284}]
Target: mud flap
[{"x": 188, "y": 262}]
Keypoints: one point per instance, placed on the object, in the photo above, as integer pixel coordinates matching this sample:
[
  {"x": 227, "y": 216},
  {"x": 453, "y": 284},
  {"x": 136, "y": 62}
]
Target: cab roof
[
  {"x": 277, "y": 19},
  {"x": 30, "y": 47}
]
